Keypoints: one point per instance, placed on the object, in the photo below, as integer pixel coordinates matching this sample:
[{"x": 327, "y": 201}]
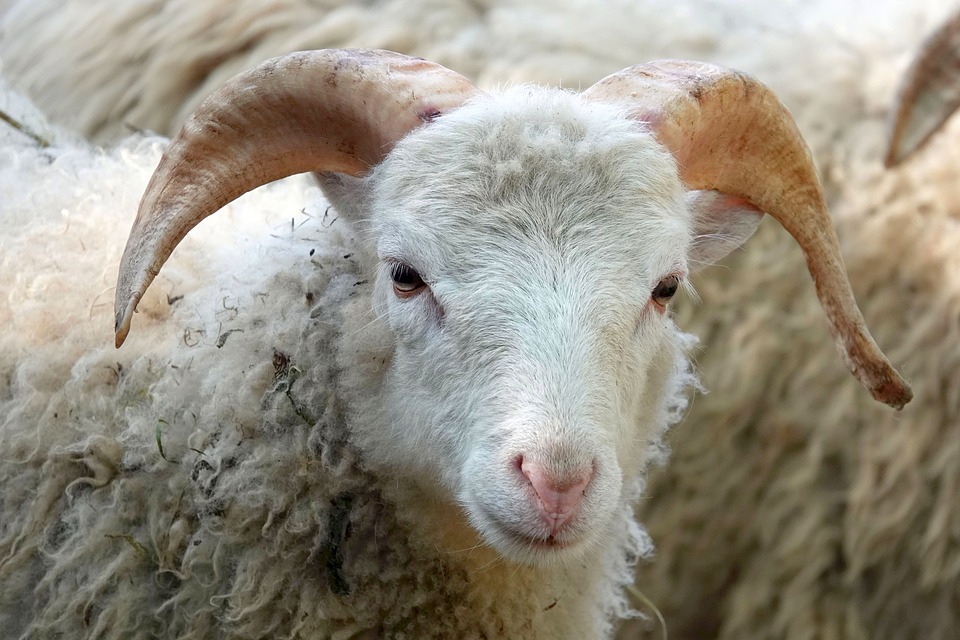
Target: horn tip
[
  {"x": 894, "y": 155},
  {"x": 122, "y": 323},
  {"x": 875, "y": 372},
  {"x": 893, "y": 158},
  {"x": 895, "y": 391}
]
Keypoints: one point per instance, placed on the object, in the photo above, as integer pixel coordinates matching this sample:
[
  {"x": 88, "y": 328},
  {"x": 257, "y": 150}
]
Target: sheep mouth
[{"x": 514, "y": 539}]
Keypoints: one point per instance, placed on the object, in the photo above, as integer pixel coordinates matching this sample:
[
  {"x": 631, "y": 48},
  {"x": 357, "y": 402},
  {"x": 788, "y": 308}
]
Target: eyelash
[
  {"x": 665, "y": 290},
  {"x": 407, "y": 282}
]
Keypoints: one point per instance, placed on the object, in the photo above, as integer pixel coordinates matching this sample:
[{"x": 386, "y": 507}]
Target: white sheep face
[{"x": 529, "y": 370}]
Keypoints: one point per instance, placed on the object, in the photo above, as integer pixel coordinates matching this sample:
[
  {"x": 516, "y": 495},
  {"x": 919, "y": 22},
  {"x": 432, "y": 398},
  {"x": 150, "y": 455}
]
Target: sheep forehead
[{"x": 528, "y": 172}]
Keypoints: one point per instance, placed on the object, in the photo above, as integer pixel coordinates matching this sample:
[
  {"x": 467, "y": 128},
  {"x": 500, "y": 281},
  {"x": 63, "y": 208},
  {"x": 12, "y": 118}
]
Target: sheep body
[{"x": 206, "y": 481}]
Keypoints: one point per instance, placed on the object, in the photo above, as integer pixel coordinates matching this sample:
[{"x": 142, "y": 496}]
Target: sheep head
[{"x": 527, "y": 246}]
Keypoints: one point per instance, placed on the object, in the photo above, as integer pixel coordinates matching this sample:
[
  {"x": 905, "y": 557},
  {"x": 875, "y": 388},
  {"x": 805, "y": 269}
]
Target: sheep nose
[{"x": 559, "y": 494}]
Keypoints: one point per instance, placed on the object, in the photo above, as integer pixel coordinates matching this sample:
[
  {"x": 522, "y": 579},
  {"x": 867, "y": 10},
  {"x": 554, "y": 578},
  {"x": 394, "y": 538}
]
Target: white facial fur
[{"x": 540, "y": 223}]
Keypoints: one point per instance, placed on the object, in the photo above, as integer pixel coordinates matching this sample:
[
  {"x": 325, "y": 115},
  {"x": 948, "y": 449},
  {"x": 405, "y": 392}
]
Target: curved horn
[
  {"x": 335, "y": 110},
  {"x": 929, "y": 92},
  {"x": 730, "y": 133}
]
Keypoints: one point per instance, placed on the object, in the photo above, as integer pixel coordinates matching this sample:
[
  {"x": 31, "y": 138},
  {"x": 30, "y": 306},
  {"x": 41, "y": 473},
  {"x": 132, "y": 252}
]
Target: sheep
[
  {"x": 440, "y": 427},
  {"x": 868, "y": 560}
]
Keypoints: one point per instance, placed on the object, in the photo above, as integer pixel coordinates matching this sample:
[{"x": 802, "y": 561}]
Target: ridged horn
[
  {"x": 335, "y": 110},
  {"x": 929, "y": 93},
  {"x": 730, "y": 133}
]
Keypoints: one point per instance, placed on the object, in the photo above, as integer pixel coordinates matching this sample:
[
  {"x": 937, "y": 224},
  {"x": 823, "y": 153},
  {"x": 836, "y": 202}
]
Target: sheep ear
[
  {"x": 721, "y": 222},
  {"x": 347, "y": 194}
]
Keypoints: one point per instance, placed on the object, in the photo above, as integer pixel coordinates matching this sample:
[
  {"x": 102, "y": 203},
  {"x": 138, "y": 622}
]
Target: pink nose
[{"x": 559, "y": 495}]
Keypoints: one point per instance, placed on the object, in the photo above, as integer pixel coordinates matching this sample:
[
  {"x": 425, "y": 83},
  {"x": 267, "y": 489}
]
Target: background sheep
[
  {"x": 929, "y": 92},
  {"x": 865, "y": 496}
]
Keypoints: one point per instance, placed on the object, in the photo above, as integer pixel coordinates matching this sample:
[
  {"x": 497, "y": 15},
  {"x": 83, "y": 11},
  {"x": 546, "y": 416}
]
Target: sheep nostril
[{"x": 518, "y": 465}]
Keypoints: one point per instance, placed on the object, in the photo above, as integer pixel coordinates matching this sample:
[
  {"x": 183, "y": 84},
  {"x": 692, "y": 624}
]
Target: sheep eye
[
  {"x": 406, "y": 281},
  {"x": 665, "y": 290}
]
